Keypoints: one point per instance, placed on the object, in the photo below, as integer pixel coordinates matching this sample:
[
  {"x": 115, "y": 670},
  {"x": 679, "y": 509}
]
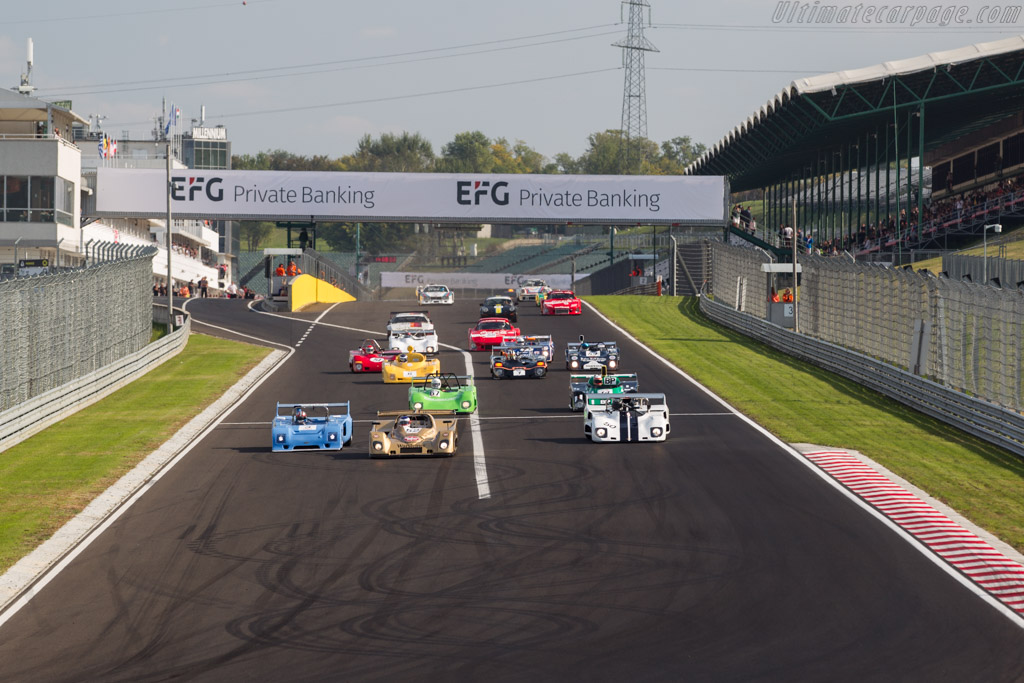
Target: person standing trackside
[
  {"x": 293, "y": 269},
  {"x": 204, "y": 288},
  {"x": 280, "y": 270}
]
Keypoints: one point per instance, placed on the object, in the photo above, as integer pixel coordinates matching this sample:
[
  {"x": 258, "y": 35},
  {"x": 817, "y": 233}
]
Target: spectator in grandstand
[
  {"x": 303, "y": 239},
  {"x": 746, "y": 217},
  {"x": 787, "y": 236}
]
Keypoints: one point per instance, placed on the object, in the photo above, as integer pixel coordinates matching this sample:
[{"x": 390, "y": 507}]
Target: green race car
[
  {"x": 582, "y": 385},
  {"x": 443, "y": 392}
]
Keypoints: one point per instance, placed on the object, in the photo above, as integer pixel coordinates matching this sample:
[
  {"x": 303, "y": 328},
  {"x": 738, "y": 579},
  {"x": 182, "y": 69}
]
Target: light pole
[{"x": 996, "y": 227}]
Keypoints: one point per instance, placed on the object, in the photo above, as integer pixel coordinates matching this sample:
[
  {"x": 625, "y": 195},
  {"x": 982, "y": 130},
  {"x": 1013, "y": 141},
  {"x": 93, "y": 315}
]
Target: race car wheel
[
  {"x": 540, "y": 372},
  {"x": 357, "y": 367}
]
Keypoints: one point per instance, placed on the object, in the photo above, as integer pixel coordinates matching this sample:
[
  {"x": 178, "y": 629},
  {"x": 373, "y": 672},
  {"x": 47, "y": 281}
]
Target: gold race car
[
  {"x": 405, "y": 367},
  {"x": 419, "y": 432}
]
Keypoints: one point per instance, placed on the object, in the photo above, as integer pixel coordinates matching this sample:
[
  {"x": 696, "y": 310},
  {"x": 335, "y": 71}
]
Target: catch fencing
[
  {"x": 1008, "y": 272},
  {"x": 966, "y": 337},
  {"x": 58, "y": 328}
]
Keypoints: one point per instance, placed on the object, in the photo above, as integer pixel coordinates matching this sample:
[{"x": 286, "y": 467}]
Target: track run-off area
[{"x": 721, "y": 554}]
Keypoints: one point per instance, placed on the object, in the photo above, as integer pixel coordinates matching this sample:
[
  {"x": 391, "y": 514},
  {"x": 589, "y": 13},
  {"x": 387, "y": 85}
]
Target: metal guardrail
[
  {"x": 318, "y": 265},
  {"x": 32, "y": 416},
  {"x": 981, "y": 418}
]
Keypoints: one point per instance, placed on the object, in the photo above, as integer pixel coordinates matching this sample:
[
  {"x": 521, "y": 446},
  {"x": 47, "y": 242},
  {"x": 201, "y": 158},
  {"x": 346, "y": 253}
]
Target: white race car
[
  {"x": 530, "y": 288},
  {"x": 626, "y": 417},
  {"x": 412, "y": 331},
  {"x": 435, "y": 294}
]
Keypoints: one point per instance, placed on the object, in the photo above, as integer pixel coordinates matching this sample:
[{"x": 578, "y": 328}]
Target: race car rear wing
[
  {"x": 399, "y": 328},
  {"x": 602, "y": 400},
  {"x": 628, "y": 379},
  {"x": 609, "y": 346},
  {"x": 463, "y": 380},
  {"x": 435, "y": 413},
  {"x": 421, "y": 312},
  {"x": 328, "y": 406}
]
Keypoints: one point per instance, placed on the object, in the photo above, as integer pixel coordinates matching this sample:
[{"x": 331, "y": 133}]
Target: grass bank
[
  {"x": 803, "y": 404},
  {"x": 48, "y": 479}
]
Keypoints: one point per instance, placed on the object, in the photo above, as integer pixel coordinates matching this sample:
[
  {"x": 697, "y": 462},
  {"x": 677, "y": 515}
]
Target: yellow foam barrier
[{"x": 306, "y": 289}]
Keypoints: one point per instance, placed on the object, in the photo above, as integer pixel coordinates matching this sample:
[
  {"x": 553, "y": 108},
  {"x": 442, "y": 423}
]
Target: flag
[
  {"x": 113, "y": 147},
  {"x": 99, "y": 146},
  {"x": 172, "y": 118}
]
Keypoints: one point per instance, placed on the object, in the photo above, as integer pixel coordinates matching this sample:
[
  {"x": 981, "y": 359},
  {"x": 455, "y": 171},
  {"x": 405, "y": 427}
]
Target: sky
[{"x": 312, "y": 77}]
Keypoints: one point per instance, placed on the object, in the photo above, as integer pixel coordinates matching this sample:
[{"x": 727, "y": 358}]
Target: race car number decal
[
  {"x": 518, "y": 373},
  {"x": 408, "y": 373},
  {"x": 307, "y": 428}
]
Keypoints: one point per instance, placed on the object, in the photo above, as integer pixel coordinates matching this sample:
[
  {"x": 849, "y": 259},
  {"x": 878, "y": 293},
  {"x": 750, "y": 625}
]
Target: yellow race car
[
  {"x": 421, "y": 432},
  {"x": 405, "y": 367}
]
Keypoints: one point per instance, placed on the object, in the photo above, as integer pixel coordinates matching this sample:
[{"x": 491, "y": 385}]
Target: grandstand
[
  {"x": 562, "y": 252},
  {"x": 506, "y": 260},
  {"x": 587, "y": 262},
  {"x": 843, "y": 143}
]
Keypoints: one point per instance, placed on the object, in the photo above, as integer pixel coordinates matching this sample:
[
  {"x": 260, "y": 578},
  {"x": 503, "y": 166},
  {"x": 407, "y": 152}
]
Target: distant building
[{"x": 40, "y": 182}]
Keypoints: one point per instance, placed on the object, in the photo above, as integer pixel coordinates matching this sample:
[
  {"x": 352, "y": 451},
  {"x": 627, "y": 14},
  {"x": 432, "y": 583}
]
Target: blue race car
[{"x": 297, "y": 429}]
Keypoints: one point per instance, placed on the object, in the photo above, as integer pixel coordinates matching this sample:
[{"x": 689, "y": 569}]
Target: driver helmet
[
  {"x": 404, "y": 421},
  {"x": 435, "y": 382},
  {"x": 299, "y": 414},
  {"x": 403, "y": 358},
  {"x": 584, "y": 345}
]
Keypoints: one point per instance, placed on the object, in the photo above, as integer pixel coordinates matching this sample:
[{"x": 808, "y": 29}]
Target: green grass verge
[
  {"x": 49, "y": 478},
  {"x": 800, "y": 403}
]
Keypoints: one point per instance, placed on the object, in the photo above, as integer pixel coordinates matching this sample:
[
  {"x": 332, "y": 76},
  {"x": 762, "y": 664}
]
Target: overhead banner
[
  {"x": 411, "y": 197},
  {"x": 498, "y": 281}
]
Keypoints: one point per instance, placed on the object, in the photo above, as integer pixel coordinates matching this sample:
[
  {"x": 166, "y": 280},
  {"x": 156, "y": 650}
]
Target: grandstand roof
[{"x": 960, "y": 91}]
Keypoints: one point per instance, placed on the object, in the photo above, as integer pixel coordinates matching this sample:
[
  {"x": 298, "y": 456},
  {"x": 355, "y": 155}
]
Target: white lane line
[
  {"x": 483, "y": 487},
  {"x": 828, "y": 479}
]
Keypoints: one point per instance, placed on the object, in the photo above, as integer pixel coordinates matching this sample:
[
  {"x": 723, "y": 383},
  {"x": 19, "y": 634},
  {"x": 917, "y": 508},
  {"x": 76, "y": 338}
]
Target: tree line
[{"x": 468, "y": 152}]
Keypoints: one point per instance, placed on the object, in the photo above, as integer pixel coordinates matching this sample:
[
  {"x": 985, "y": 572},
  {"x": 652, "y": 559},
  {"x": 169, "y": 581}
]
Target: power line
[
  {"x": 116, "y": 15},
  {"x": 239, "y": 76},
  {"x": 841, "y": 29},
  {"x": 736, "y": 71},
  {"x": 393, "y": 98}
]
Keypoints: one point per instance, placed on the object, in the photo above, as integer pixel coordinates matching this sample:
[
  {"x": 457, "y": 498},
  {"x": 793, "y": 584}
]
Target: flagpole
[{"x": 170, "y": 282}]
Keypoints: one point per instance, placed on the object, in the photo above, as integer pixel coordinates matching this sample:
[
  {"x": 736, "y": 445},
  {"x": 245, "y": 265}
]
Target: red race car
[
  {"x": 561, "y": 302},
  {"x": 489, "y": 332},
  {"x": 369, "y": 356}
]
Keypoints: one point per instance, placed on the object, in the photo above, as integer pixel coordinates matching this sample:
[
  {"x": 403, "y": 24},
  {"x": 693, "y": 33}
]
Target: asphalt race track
[{"x": 716, "y": 556}]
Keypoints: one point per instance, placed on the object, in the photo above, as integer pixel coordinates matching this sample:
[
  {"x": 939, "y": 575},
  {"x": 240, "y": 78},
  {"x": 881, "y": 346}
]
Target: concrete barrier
[{"x": 306, "y": 289}]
